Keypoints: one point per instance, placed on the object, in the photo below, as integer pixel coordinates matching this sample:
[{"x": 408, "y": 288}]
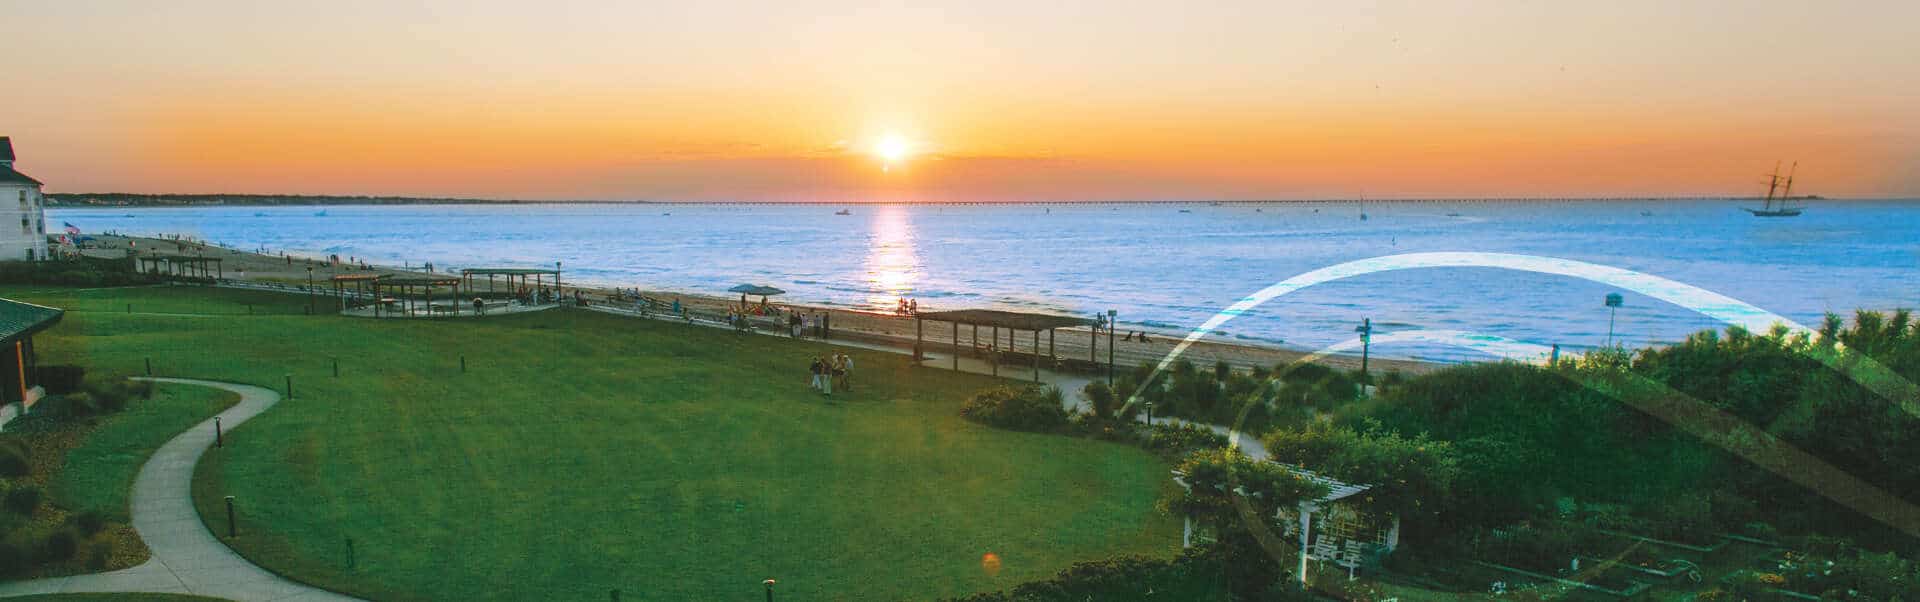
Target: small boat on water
[
  {"x": 843, "y": 212},
  {"x": 1186, "y": 211},
  {"x": 259, "y": 214},
  {"x": 320, "y": 213},
  {"x": 1778, "y": 207},
  {"x": 1646, "y": 214},
  {"x": 1453, "y": 215}
]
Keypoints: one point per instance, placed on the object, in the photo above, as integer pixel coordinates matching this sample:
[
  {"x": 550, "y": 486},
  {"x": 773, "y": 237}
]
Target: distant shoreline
[{"x": 119, "y": 199}]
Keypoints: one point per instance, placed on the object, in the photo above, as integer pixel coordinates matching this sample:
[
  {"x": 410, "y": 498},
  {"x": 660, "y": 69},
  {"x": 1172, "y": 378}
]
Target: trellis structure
[
  {"x": 183, "y": 266},
  {"x": 407, "y": 287},
  {"x": 1012, "y": 322}
]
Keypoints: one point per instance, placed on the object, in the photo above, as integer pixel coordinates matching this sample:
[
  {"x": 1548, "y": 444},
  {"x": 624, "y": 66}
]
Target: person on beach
[{"x": 913, "y": 306}]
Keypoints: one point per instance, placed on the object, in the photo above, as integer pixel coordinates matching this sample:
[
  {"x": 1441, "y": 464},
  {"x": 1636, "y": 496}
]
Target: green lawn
[
  {"x": 582, "y": 453},
  {"x": 99, "y": 472}
]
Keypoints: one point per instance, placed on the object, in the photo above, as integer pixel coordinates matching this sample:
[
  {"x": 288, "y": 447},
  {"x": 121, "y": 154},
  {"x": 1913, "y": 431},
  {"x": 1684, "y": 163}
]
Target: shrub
[
  {"x": 23, "y": 500},
  {"x": 60, "y": 545},
  {"x": 98, "y": 555},
  {"x": 90, "y": 522},
  {"x": 13, "y": 556},
  {"x": 61, "y": 379},
  {"x": 1099, "y": 398},
  {"x": 1031, "y": 408},
  {"x": 1181, "y": 440},
  {"x": 15, "y": 458}
]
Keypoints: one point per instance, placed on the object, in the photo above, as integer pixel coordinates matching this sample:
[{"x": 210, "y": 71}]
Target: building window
[
  {"x": 43, "y": 225},
  {"x": 29, "y": 254},
  {"x": 24, "y": 226},
  {"x": 23, "y": 199}
]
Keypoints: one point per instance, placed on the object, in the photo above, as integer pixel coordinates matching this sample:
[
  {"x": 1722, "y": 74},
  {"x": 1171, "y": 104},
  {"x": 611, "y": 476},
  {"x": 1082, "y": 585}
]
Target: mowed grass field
[{"x": 581, "y": 453}]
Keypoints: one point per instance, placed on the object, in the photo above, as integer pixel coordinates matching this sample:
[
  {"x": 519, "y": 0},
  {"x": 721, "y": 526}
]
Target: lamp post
[
  {"x": 1614, "y": 301},
  {"x": 309, "y": 290},
  {"x": 1110, "y": 326},
  {"x": 1149, "y": 413},
  {"x": 769, "y": 584},
  {"x": 1366, "y": 343}
]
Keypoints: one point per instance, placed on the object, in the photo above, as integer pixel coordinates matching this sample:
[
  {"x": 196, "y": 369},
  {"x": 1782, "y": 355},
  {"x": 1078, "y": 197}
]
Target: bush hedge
[{"x": 1032, "y": 408}]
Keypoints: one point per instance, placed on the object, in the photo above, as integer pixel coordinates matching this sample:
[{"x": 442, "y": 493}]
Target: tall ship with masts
[{"x": 1778, "y": 206}]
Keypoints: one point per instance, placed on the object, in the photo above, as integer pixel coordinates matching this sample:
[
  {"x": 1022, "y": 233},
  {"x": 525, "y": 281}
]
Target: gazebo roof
[
  {"x": 508, "y": 271},
  {"x": 18, "y": 319},
  {"x": 420, "y": 281},
  {"x": 181, "y": 258},
  {"x": 1004, "y": 319}
]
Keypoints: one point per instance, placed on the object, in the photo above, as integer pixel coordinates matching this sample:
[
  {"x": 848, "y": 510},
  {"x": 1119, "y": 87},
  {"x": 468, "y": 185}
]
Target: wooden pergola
[
  {"x": 184, "y": 266},
  {"x": 362, "y": 284},
  {"x": 996, "y": 320},
  {"x": 515, "y": 279},
  {"x": 405, "y": 288}
]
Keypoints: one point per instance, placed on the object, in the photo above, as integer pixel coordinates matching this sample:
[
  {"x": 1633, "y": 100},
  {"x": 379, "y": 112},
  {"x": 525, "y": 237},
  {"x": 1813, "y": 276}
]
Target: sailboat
[{"x": 1778, "y": 206}]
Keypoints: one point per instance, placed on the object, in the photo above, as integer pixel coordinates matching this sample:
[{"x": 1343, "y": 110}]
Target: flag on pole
[{"x": 71, "y": 229}]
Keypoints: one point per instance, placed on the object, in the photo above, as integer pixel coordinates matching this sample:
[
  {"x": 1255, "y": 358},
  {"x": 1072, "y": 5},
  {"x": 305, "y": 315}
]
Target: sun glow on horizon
[{"x": 892, "y": 149}]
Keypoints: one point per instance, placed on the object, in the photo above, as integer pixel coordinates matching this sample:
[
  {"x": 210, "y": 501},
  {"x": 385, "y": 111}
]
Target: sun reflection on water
[{"x": 892, "y": 265}]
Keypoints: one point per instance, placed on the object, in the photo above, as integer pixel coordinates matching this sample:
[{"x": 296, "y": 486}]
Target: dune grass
[{"x": 581, "y": 453}]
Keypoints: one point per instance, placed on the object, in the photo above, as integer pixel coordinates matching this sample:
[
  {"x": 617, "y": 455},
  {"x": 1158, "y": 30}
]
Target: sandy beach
[{"x": 885, "y": 328}]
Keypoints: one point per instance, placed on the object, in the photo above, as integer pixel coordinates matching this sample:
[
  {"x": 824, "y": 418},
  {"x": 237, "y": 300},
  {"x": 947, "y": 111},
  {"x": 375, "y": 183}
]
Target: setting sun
[{"x": 893, "y": 149}]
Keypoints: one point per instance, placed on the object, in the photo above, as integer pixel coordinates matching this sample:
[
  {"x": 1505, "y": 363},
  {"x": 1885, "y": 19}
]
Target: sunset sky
[{"x": 978, "y": 100}]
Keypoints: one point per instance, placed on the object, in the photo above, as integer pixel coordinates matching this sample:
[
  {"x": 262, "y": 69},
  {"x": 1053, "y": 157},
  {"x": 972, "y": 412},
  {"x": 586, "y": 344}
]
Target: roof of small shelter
[
  {"x": 508, "y": 271},
  {"x": 18, "y": 318},
  {"x": 181, "y": 258},
  {"x": 359, "y": 277},
  {"x": 1336, "y": 489},
  {"x": 420, "y": 281},
  {"x": 1004, "y": 319}
]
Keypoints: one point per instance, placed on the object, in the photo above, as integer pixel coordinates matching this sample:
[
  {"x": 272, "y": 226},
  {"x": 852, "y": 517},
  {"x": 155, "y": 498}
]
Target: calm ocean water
[{"x": 1157, "y": 265}]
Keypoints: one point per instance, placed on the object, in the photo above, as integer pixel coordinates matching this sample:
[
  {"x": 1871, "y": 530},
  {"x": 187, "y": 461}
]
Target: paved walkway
[{"x": 187, "y": 558}]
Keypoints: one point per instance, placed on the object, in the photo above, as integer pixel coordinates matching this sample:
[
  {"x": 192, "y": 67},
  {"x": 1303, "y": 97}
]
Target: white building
[{"x": 20, "y": 202}]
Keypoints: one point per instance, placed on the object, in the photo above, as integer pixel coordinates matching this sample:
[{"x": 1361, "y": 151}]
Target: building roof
[
  {"x": 1004, "y": 319},
  {"x": 1336, "y": 489},
  {"x": 19, "y": 319},
  {"x": 7, "y": 174}
]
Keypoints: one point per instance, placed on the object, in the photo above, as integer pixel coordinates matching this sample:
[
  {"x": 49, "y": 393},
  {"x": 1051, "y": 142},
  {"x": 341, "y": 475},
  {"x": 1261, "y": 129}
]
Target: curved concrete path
[{"x": 187, "y": 558}]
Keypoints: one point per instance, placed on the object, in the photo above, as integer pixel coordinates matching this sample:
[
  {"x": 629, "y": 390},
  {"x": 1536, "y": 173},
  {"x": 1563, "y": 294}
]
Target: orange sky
[{"x": 999, "y": 100}]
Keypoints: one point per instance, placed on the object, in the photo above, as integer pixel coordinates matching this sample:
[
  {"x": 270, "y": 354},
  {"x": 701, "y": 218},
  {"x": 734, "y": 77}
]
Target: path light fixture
[
  {"x": 1149, "y": 413},
  {"x": 769, "y": 584},
  {"x": 1614, "y": 301},
  {"x": 309, "y": 290}
]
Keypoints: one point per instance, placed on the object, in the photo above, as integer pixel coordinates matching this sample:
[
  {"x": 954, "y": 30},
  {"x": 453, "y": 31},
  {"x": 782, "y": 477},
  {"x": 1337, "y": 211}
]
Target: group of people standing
[
  {"x": 906, "y": 307},
  {"x": 829, "y": 372}
]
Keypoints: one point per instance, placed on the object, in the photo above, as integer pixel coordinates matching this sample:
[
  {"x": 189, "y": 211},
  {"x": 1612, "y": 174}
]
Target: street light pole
[
  {"x": 769, "y": 584},
  {"x": 1149, "y": 413},
  {"x": 309, "y": 290},
  {"x": 1614, "y": 301},
  {"x": 1110, "y": 327},
  {"x": 1366, "y": 343}
]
